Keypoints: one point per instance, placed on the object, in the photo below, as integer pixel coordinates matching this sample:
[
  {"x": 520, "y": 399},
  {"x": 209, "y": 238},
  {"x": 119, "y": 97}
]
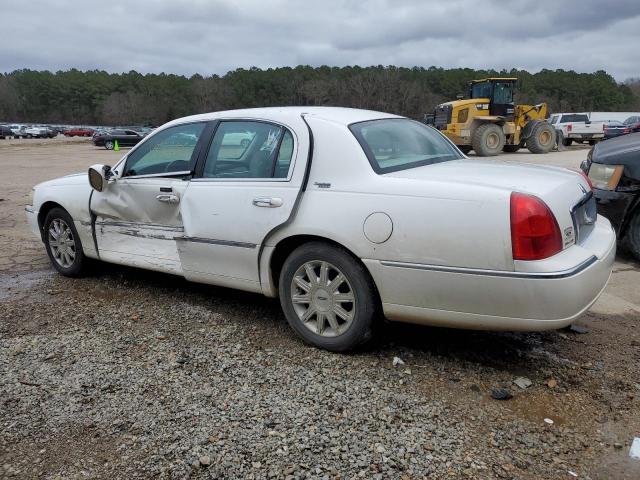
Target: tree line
[{"x": 100, "y": 98}]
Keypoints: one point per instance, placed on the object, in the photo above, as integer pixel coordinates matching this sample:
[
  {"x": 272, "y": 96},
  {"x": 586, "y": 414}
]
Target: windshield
[{"x": 399, "y": 143}]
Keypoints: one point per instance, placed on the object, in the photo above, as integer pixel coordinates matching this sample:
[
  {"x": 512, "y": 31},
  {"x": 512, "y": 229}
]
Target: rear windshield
[
  {"x": 399, "y": 143},
  {"x": 574, "y": 118}
]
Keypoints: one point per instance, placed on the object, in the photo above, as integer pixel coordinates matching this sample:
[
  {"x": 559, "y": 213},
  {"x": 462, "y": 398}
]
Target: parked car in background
[
  {"x": 614, "y": 128},
  {"x": 633, "y": 123},
  {"x": 346, "y": 215},
  {"x": 576, "y": 127},
  {"x": 125, "y": 138},
  {"x": 36, "y": 132},
  {"x": 5, "y": 132},
  {"x": 18, "y": 131},
  {"x": 78, "y": 132},
  {"x": 614, "y": 170}
]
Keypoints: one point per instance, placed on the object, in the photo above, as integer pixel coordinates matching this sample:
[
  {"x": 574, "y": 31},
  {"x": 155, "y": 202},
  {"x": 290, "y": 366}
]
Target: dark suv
[{"x": 614, "y": 170}]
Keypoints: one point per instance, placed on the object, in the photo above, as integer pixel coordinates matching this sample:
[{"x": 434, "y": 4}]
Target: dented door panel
[{"x": 133, "y": 219}]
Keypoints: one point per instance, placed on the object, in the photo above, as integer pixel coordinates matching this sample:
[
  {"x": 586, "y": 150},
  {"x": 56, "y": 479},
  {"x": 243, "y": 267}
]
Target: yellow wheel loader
[{"x": 488, "y": 122}]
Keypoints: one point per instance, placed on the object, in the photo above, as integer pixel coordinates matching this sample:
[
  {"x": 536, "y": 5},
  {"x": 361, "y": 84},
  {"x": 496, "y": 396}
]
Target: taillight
[
  {"x": 569, "y": 127},
  {"x": 534, "y": 230}
]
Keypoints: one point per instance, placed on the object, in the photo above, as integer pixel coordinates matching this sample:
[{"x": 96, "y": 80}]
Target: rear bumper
[{"x": 538, "y": 299}]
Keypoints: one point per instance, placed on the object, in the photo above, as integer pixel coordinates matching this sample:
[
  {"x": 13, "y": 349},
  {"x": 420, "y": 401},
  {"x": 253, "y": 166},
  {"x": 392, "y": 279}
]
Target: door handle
[
  {"x": 269, "y": 202},
  {"x": 168, "y": 198}
]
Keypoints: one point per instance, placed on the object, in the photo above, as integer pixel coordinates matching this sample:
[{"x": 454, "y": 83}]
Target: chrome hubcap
[
  {"x": 62, "y": 243},
  {"x": 323, "y": 298}
]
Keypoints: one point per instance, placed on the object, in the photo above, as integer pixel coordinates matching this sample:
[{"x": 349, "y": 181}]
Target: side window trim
[{"x": 204, "y": 150}]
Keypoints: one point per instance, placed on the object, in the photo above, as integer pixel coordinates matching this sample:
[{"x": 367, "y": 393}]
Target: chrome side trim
[
  {"x": 153, "y": 226},
  {"x": 495, "y": 273},
  {"x": 227, "y": 243},
  {"x": 156, "y": 175}
]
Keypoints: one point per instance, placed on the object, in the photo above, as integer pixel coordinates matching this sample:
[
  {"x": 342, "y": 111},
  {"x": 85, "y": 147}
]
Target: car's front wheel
[
  {"x": 328, "y": 297},
  {"x": 63, "y": 244}
]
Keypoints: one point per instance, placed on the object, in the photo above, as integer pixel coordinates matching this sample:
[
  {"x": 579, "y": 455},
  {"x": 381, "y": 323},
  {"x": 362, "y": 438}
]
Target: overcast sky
[{"x": 215, "y": 36}]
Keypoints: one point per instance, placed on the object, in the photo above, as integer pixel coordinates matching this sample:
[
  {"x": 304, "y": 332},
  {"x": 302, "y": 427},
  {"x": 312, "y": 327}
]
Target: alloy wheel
[
  {"x": 62, "y": 243},
  {"x": 323, "y": 298}
]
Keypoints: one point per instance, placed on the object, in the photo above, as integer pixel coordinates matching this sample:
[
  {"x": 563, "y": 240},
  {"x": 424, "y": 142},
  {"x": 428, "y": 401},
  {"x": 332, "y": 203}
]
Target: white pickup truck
[{"x": 576, "y": 127}]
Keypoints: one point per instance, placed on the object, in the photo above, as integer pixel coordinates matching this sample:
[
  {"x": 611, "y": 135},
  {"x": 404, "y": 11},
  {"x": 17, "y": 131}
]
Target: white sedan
[{"x": 345, "y": 215}]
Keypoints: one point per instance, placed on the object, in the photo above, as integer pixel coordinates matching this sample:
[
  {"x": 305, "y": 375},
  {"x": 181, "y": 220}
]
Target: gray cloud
[{"x": 206, "y": 37}]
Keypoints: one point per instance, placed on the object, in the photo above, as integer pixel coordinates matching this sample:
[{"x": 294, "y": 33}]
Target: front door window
[{"x": 170, "y": 151}]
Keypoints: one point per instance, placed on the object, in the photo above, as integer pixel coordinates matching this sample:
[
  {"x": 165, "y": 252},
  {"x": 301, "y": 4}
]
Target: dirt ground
[{"x": 130, "y": 374}]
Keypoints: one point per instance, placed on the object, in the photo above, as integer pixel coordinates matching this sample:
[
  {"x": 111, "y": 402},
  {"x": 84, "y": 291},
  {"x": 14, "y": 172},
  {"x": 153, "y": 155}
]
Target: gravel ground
[{"x": 131, "y": 374}]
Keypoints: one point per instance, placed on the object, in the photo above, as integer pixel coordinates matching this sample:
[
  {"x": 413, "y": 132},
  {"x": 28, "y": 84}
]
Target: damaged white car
[{"x": 345, "y": 215}]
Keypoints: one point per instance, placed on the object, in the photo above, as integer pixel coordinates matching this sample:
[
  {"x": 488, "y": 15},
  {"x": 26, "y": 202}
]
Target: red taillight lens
[
  {"x": 569, "y": 127},
  {"x": 534, "y": 230}
]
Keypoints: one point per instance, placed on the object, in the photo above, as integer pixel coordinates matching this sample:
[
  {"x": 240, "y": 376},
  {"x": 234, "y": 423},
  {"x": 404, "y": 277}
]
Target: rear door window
[{"x": 249, "y": 149}]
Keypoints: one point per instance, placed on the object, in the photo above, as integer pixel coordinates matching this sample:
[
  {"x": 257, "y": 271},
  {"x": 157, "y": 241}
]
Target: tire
[
  {"x": 465, "y": 148},
  {"x": 29, "y": 135},
  {"x": 109, "y": 145},
  {"x": 542, "y": 138},
  {"x": 567, "y": 142},
  {"x": 632, "y": 236},
  {"x": 308, "y": 260},
  {"x": 488, "y": 140},
  {"x": 593, "y": 142},
  {"x": 511, "y": 148},
  {"x": 69, "y": 259}
]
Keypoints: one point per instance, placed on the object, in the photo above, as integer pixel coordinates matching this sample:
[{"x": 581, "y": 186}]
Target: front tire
[
  {"x": 328, "y": 297},
  {"x": 465, "y": 148},
  {"x": 488, "y": 140},
  {"x": 542, "y": 139},
  {"x": 63, "y": 244}
]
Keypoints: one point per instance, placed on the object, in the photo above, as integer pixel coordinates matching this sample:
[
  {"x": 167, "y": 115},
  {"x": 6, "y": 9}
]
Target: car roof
[{"x": 292, "y": 115}]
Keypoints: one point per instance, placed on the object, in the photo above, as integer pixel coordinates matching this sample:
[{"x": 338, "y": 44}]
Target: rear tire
[
  {"x": 336, "y": 302},
  {"x": 109, "y": 145},
  {"x": 488, "y": 140},
  {"x": 632, "y": 236},
  {"x": 63, "y": 244},
  {"x": 567, "y": 142},
  {"x": 542, "y": 139}
]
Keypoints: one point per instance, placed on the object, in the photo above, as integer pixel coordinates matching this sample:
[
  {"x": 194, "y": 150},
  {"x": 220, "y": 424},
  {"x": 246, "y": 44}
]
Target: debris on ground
[
  {"x": 501, "y": 394},
  {"x": 578, "y": 329},
  {"x": 522, "y": 382},
  {"x": 548, "y": 421},
  {"x": 397, "y": 361},
  {"x": 552, "y": 383}
]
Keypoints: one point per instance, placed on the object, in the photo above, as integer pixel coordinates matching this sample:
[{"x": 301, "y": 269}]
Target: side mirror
[{"x": 98, "y": 176}]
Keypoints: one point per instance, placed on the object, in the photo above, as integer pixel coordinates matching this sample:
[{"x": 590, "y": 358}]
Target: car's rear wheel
[
  {"x": 63, "y": 244},
  {"x": 328, "y": 297},
  {"x": 109, "y": 145}
]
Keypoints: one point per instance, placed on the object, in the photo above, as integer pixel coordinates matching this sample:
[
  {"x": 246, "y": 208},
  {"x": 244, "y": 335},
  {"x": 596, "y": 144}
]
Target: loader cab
[{"x": 499, "y": 91}]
